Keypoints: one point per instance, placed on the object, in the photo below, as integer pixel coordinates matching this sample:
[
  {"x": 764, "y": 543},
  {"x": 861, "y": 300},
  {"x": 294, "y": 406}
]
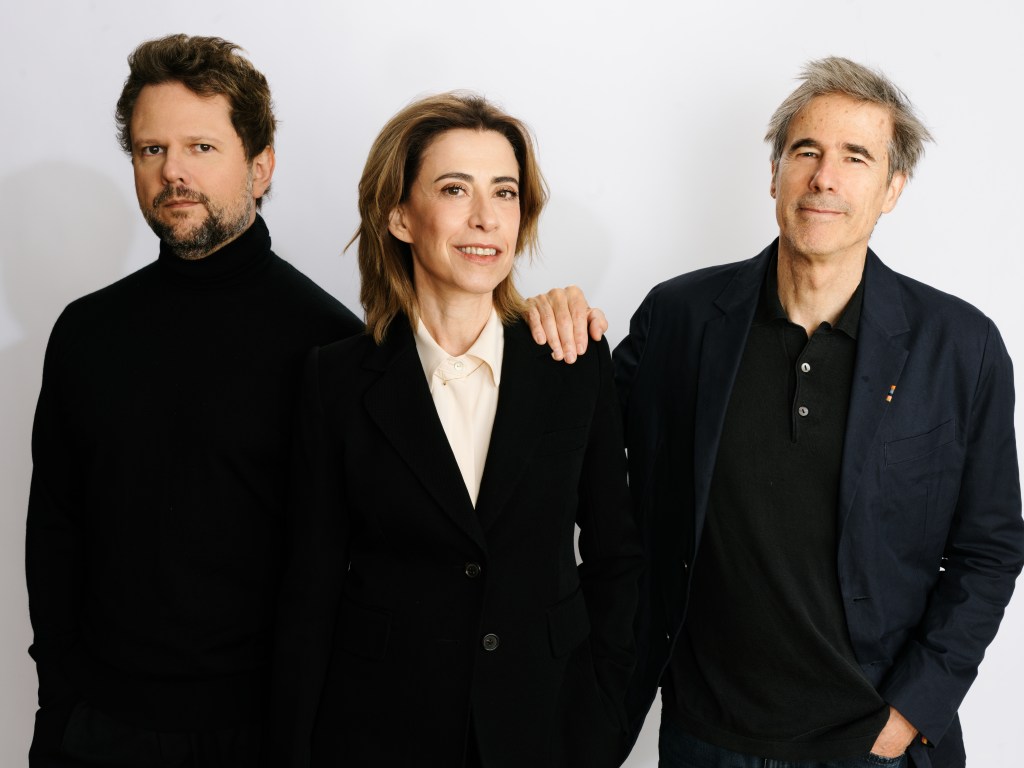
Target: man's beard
[{"x": 219, "y": 226}]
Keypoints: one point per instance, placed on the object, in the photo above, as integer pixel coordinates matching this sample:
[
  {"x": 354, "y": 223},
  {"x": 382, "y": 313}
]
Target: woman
[{"x": 433, "y": 613}]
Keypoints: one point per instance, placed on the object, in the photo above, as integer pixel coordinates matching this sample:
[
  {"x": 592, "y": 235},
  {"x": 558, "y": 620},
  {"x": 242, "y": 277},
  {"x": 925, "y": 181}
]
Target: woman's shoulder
[
  {"x": 362, "y": 353},
  {"x": 596, "y": 359}
]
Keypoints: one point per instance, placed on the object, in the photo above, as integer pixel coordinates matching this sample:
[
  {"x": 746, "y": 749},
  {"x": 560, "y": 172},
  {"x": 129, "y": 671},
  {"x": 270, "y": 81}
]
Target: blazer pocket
[
  {"x": 568, "y": 624},
  {"x": 362, "y": 631},
  {"x": 910, "y": 448}
]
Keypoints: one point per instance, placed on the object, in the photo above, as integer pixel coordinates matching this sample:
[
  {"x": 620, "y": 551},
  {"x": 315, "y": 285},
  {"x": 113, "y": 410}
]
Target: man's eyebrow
[
  {"x": 804, "y": 143},
  {"x": 857, "y": 149},
  {"x": 198, "y": 138}
]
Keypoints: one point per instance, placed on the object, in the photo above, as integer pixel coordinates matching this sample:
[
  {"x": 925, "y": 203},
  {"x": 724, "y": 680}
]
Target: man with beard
[{"x": 161, "y": 441}]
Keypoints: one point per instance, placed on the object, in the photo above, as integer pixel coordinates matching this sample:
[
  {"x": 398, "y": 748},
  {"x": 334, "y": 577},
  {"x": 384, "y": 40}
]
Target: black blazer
[
  {"x": 930, "y": 537},
  {"x": 406, "y": 612}
]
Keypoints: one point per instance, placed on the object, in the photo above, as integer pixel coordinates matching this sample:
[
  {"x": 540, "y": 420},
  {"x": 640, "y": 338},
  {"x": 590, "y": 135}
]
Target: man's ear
[
  {"x": 775, "y": 169},
  {"x": 262, "y": 171},
  {"x": 894, "y": 190},
  {"x": 398, "y": 226}
]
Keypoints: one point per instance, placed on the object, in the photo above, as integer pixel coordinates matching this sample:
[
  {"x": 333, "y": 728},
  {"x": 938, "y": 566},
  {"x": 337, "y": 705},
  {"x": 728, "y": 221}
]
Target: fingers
[
  {"x": 578, "y": 312},
  {"x": 534, "y": 319},
  {"x": 564, "y": 325},
  {"x": 597, "y": 323},
  {"x": 541, "y": 317},
  {"x": 562, "y": 319}
]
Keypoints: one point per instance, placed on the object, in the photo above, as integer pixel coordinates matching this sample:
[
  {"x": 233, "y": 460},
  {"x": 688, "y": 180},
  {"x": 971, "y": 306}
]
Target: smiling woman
[
  {"x": 461, "y": 222},
  {"x": 444, "y": 129},
  {"x": 433, "y": 613}
]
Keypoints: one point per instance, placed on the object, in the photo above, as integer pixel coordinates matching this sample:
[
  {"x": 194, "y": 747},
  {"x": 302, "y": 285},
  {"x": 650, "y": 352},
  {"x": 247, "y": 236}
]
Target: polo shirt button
[
  {"x": 490, "y": 642},
  {"x": 805, "y": 367},
  {"x": 802, "y": 410},
  {"x": 472, "y": 570}
]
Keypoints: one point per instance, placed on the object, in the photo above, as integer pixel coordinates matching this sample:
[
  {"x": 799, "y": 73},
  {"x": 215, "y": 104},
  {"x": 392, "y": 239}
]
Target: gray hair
[{"x": 835, "y": 75}]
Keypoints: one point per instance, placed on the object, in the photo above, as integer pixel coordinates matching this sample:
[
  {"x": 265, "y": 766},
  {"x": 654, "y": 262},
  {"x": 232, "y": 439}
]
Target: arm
[
  {"x": 316, "y": 558},
  {"x": 984, "y": 553},
  {"x": 649, "y": 623},
  {"x": 562, "y": 318},
  {"x": 54, "y": 543},
  {"x": 608, "y": 543}
]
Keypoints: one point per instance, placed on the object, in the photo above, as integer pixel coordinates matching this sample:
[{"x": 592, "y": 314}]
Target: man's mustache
[
  {"x": 824, "y": 203},
  {"x": 179, "y": 193}
]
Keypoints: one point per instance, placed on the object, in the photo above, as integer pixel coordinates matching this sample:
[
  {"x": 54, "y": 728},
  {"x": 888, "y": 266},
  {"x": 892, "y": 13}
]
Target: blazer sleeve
[
  {"x": 632, "y": 382},
  {"x": 316, "y": 563},
  {"x": 984, "y": 554},
  {"x": 608, "y": 543}
]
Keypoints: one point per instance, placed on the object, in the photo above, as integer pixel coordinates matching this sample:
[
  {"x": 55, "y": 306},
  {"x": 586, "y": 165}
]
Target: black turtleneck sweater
[{"x": 160, "y": 450}]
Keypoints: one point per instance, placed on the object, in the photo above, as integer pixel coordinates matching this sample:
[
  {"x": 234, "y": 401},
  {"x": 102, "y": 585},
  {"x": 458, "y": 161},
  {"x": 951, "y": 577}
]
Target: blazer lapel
[
  {"x": 399, "y": 403},
  {"x": 721, "y": 351},
  {"x": 881, "y": 354},
  {"x": 528, "y": 390}
]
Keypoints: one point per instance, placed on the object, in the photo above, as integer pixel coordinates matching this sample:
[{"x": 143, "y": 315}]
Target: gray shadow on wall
[{"x": 64, "y": 232}]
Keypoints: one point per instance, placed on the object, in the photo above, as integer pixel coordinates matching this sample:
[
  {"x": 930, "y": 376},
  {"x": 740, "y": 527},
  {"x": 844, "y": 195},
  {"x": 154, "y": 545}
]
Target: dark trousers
[
  {"x": 88, "y": 738},
  {"x": 679, "y": 749}
]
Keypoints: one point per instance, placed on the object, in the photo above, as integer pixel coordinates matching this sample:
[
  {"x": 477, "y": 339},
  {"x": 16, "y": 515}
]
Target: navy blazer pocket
[
  {"x": 910, "y": 448},
  {"x": 568, "y": 624},
  {"x": 915, "y": 526}
]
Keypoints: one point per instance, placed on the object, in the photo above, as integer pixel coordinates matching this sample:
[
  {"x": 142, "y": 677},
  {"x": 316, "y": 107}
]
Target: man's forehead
[
  {"x": 172, "y": 107},
  {"x": 835, "y": 118}
]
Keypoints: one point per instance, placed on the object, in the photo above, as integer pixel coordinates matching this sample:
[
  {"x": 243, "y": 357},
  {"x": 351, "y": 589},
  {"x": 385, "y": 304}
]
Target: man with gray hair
[{"x": 823, "y": 462}]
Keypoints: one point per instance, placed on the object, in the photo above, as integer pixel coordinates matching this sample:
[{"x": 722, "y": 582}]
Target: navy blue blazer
[{"x": 930, "y": 536}]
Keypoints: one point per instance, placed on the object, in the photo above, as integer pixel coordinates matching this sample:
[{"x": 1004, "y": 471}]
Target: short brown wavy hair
[{"x": 385, "y": 262}]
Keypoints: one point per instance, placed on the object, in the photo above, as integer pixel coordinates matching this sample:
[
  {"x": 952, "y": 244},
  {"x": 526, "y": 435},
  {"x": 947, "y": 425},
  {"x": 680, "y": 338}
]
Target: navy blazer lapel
[
  {"x": 399, "y": 403},
  {"x": 881, "y": 354},
  {"x": 525, "y": 401},
  {"x": 721, "y": 350}
]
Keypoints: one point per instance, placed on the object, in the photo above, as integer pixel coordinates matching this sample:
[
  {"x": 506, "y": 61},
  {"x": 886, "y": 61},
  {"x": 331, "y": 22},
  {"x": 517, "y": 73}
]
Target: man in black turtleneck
[{"x": 161, "y": 441}]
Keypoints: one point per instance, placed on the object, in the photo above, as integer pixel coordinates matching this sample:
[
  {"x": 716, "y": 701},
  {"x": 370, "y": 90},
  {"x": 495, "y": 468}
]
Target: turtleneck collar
[{"x": 239, "y": 257}]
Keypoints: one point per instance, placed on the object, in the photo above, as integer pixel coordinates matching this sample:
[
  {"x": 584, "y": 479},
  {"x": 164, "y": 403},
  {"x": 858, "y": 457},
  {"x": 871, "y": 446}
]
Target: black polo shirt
[{"x": 764, "y": 664}]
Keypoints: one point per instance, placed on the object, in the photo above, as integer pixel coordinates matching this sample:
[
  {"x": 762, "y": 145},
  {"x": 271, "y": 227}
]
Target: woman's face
[{"x": 462, "y": 215}]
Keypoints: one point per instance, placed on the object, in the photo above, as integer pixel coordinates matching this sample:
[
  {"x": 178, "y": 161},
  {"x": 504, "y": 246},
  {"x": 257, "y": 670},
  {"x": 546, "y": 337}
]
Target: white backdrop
[{"x": 649, "y": 117}]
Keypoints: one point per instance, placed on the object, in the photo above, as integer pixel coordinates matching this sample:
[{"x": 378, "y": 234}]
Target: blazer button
[
  {"x": 472, "y": 570},
  {"x": 490, "y": 642}
]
